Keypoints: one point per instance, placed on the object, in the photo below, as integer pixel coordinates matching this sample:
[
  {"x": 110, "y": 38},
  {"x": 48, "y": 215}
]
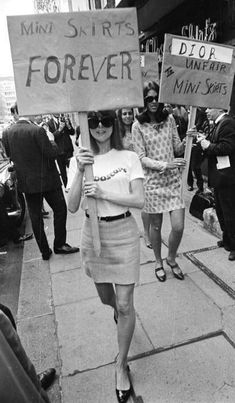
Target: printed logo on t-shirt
[{"x": 109, "y": 176}]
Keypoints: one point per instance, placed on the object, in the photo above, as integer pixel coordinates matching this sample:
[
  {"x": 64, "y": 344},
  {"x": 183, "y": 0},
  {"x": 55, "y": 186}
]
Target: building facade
[{"x": 7, "y": 98}]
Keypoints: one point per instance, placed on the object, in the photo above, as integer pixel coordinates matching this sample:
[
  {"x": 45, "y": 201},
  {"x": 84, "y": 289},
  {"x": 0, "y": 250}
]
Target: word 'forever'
[{"x": 114, "y": 66}]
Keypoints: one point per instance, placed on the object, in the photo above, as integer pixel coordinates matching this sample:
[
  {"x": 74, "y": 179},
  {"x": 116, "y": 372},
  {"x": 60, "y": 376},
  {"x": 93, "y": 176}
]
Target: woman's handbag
[{"x": 200, "y": 202}]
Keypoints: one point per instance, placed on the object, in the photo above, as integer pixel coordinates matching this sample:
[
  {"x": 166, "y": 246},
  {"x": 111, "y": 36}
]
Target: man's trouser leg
[
  {"x": 56, "y": 201},
  {"x": 34, "y": 202},
  {"x": 225, "y": 202}
]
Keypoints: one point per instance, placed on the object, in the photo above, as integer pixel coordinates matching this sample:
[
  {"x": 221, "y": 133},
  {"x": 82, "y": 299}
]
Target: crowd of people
[{"x": 138, "y": 160}]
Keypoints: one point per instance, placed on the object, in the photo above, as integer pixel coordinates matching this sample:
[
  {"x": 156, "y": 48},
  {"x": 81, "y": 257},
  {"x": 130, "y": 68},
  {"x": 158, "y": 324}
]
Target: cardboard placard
[
  {"x": 196, "y": 73},
  {"x": 149, "y": 66},
  {"x": 77, "y": 61}
]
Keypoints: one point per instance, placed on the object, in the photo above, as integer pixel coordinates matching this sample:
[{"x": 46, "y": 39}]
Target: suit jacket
[
  {"x": 62, "y": 138},
  {"x": 33, "y": 155},
  {"x": 19, "y": 381},
  {"x": 222, "y": 140}
]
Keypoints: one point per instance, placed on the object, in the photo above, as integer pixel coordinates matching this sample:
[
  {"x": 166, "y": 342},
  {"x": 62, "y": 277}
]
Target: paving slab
[
  {"x": 87, "y": 336},
  {"x": 216, "y": 260},
  {"x": 36, "y": 297},
  {"x": 212, "y": 290},
  {"x": 95, "y": 386},
  {"x": 71, "y": 286},
  {"x": 202, "y": 372},
  {"x": 228, "y": 320},
  {"x": 31, "y": 251},
  {"x": 38, "y": 336},
  {"x": 175, "y": 311},
  {"x": 60, "y": 263}
]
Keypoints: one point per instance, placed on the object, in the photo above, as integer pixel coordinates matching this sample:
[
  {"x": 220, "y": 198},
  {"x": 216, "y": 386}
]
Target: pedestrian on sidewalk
[
  {"x": 157, "y": 143},
  {"x": 117, "y": 186},
  {"x": 219, "y": 148},
  {"x": 62, "y": 129},
  {"x": 33, "y": 154}
]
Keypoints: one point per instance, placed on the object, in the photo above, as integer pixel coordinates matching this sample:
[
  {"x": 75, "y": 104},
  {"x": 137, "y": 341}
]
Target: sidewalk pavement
[{"x": 183, "y": 345}]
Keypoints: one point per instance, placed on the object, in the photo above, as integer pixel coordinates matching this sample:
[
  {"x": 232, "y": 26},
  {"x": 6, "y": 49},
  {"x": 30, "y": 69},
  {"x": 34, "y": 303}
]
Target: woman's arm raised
[{"x": 83, "y": 158}]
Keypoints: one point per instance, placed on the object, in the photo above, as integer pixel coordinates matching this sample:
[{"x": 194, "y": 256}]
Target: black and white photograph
[{"x": 117, "y": 201}]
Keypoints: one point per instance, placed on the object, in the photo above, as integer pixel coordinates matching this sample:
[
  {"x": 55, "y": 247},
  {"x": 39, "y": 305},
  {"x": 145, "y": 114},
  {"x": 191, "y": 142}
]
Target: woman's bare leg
[
  {"x": 146, "y": 224},
  {"x": 177, "y": 228},
  {"x": 125, "y": 330},
  {"x": 107, "y": 295},
  {"x": 155, "y": 236}
]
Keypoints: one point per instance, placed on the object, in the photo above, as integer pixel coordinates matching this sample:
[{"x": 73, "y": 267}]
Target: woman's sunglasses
[
  {"x": 127, "y": 113},
  {"x": 151, "y": 99},
  {"x": 94, "y": 122}
]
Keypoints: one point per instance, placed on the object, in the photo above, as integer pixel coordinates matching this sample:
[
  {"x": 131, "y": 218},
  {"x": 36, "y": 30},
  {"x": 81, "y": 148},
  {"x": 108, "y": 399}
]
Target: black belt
[{"x": 113, "y": 217}]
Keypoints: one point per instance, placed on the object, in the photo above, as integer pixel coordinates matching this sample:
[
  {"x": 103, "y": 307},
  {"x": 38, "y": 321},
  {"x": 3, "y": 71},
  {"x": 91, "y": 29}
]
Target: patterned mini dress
[{"x": 160, "y": 142}]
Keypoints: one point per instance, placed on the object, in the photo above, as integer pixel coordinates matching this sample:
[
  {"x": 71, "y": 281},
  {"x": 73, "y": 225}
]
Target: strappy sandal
[
  {"x": 176, "y": 270},
  {"x": 162, "y": 277}
]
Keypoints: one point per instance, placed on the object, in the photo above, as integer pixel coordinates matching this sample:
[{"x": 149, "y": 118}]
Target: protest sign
[
  {"x": 149, "y": 66},
  {"x": 77, "y": 61},
  {"x": 196, "y": 73}
]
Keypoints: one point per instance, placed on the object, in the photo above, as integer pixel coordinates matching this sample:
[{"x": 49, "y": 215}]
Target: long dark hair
[
  {"x": 115, "y": 140},
  {"x": 161, "y": 113},
  {"x": 120, "y": 121}
]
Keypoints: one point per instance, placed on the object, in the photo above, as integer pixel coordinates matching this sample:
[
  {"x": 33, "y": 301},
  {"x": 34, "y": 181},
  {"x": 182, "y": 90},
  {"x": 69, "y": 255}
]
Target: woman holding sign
[
  {"x": 157, "y": 143},
  {"x": 117, "y": 186}
]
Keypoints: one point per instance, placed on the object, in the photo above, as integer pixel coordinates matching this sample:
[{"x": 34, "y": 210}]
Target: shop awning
[{"x": 149, "y": 12}]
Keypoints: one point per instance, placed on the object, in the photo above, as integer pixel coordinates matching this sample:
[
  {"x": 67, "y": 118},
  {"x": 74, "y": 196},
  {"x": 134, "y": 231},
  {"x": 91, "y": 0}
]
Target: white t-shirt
[{"x": 113, "y": 172}]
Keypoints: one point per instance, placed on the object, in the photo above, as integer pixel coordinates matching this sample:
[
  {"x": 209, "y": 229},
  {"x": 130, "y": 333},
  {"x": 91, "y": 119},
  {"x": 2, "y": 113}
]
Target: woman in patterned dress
[
  {"x": 157, "y": 143},
  {"x": 125, "y": 120}
]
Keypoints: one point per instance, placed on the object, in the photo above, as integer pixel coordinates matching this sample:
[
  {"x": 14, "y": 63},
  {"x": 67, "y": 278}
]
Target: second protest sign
[{"x": 196, "y": 73}]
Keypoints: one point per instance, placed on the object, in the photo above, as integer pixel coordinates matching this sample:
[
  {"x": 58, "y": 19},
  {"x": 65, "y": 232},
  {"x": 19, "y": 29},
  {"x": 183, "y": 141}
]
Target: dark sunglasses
[
  {"x": 94, "y": 122},
  {"x": 151, "y": 99},
  {"x": 127, "y": 113}
]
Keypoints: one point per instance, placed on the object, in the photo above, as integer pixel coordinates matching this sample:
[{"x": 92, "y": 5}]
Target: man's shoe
[
  {"x": 231, "y": 255},
  {"x": 221, "y": 244},
  {"x": 66, "y": 249},
  {"x": 46, "y": 256},
  {"x": 25, "y": 237},
  {"x": 47, "y": 377}
]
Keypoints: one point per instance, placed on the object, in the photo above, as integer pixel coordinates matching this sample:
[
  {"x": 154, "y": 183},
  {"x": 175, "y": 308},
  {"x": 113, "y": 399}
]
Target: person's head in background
[
  {"x": 125, "y": 120},
  {"x": 169, "y": 108},
  {"x": 14, "y": 112},
  {"x": 36, "y": 119},
  {"x": 103, "y": 130},
  {"x": 154, "y": 110}
]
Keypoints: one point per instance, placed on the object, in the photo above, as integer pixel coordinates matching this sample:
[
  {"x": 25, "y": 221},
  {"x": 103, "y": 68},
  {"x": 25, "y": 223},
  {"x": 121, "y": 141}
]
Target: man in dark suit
[
  {"x": 33, "y": 154},
  {"x": 62, "y": 129},
  {"x": 220, "y": 150}
]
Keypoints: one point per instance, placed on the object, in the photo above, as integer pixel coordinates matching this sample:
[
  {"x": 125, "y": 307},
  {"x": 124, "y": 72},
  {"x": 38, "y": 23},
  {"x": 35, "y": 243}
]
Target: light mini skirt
[{"x": 119, "y": 260}]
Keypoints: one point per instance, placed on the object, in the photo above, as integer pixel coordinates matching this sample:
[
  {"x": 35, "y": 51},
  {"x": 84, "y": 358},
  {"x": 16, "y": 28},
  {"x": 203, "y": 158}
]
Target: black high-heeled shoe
[
  {"x": 123, "y": 395},
  {"x": 176, "y": 270}
]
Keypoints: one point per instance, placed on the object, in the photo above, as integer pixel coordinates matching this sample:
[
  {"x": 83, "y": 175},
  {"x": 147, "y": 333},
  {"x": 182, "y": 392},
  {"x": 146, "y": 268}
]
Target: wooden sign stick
[
  {"x": 92, "y": 209},
  {"x": 188, "y": 147}
]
